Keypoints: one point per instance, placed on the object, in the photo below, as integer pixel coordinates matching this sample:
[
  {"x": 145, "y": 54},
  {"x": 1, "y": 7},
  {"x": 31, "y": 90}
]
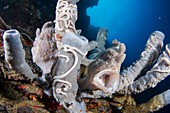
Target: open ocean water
[{"x": 131, "y": 22}]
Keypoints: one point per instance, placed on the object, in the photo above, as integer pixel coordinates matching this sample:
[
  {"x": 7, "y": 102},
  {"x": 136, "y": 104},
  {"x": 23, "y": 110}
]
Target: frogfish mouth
[{"x": 103, "y": 72}]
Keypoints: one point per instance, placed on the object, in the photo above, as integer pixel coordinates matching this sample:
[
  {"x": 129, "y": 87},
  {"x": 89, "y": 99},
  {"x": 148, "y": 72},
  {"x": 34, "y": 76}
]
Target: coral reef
[
  {"x": 69, "y": 77},
  {"x": 152, "y": 105}
]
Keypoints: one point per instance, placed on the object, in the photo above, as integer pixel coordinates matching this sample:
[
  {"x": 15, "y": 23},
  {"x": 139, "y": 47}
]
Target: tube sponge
[{"x": 15, "y": 54}]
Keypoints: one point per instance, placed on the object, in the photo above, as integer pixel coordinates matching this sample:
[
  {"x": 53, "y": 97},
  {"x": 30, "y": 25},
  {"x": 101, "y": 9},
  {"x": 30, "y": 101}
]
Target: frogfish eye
[{"x": 116, "y": 47}]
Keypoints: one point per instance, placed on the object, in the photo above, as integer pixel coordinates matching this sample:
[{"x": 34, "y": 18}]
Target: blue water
[{"x": 131, "y": 22}]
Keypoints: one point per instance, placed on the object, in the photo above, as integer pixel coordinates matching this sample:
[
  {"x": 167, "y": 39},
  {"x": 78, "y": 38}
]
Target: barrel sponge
[{"x": 15, "y": 54}]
